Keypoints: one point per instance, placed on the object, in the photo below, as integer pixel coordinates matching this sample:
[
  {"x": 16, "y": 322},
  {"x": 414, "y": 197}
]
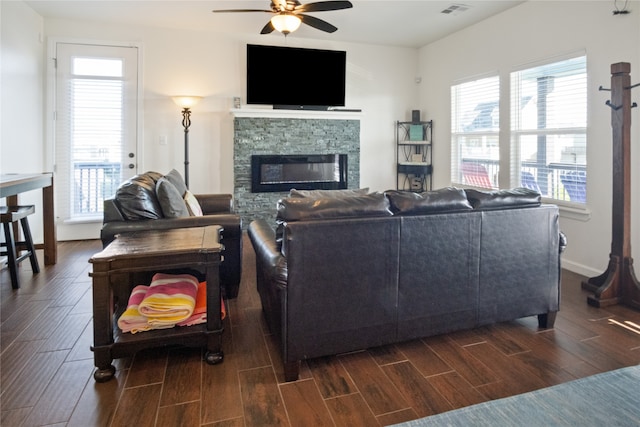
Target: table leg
[
  {"x": 49, "y": 223},
  {"x": 214, "y": 354},
  {"x": 102, "y": 328}
]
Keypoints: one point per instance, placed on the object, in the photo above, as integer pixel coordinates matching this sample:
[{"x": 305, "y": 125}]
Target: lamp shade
[
  {"x": 285, "y": 23},
  {"x": 186, "y": 101}
]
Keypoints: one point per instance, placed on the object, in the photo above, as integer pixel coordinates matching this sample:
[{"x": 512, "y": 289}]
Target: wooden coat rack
[{"x": 618, "y": 284}]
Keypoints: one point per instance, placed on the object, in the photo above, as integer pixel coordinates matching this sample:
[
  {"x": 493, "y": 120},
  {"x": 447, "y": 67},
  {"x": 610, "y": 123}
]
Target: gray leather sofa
[
  {"x": 136, "y": 207},
  {"x": 346, "y": 274}
]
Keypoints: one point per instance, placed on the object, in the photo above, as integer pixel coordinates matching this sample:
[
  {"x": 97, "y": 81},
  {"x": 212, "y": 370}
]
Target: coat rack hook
[
  {"x": 632, "y": 86},
  {"x": 634, "y": 105},
  {"x": 615, "y": 108},
  {"x": 603, "y": 88}
]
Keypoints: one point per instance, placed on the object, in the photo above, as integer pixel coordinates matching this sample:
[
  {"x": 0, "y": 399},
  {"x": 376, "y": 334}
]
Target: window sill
[
  {"x": 575, "y": 211},
  {"x": 83, "y": 220}
]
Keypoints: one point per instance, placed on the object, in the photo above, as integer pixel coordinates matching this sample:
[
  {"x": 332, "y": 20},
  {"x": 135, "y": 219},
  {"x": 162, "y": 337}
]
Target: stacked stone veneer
[{"x": 263, "y": 135}]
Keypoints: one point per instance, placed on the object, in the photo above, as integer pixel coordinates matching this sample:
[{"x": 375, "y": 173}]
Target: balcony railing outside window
[
  {"x": 94, "y": 182},
  {"x": 563, "y": 181}
]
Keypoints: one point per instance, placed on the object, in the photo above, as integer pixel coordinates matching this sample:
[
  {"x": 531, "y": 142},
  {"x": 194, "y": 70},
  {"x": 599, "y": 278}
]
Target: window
[
  {"x": 548, "y": 128},
  {"x": 475, "y": 129}
]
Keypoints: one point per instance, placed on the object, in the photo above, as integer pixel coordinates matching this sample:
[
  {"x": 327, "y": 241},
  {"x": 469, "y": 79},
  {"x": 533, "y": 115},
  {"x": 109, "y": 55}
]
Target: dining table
[{"x": 13, "y": 184}]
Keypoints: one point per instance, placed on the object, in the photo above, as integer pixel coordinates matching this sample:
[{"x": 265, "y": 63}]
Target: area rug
[{"x": 607, "y": 399}]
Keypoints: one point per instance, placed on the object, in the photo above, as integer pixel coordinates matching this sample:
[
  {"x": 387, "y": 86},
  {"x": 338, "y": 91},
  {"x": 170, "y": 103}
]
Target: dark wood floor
[{"x": 46, "y": 365}]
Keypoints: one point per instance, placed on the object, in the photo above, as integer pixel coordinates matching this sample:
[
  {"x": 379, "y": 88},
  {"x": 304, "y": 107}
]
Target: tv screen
[{"x": 295, "y": 78}]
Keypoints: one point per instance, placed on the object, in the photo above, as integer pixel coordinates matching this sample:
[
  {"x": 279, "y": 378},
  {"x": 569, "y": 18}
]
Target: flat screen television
[{"x": 295, "y": 78}]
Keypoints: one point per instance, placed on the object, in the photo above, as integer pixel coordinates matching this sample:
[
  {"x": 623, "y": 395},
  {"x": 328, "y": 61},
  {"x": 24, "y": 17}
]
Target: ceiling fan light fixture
[{"x": 285, "y": 22}]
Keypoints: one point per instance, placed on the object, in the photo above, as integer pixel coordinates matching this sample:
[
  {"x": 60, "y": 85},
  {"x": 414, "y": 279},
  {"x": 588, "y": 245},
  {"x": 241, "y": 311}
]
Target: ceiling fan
[{"x": 290, "y": 13}]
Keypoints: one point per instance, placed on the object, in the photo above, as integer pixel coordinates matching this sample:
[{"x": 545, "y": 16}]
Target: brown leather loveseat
[
  {"x": 151, "y": 201},
  {"x": 345, "y": 274}
]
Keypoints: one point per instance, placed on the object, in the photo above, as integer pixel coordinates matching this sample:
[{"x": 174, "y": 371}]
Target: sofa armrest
[
  {"x": 215, "y": 203},
  {"x": 111, "y": 211},
  {"x": 263, "y": 239}
]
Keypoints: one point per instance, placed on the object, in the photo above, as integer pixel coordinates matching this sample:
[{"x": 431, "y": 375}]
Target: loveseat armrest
[
  {"x": 111, "y": 211},
  {"x": 263, "y": 239},
  {"x": 215, "y": 203}
]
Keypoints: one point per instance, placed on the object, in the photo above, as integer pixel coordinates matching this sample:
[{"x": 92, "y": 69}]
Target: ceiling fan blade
[
  {"x": 267, "y": 29},
  {"x": 317, "y": 23},
  {"x": 241, "y": 10},
  {"x": 324, "y": 6}
]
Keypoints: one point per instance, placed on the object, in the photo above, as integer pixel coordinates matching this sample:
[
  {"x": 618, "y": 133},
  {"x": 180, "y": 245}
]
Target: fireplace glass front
[{"x": 300, "y": 171}]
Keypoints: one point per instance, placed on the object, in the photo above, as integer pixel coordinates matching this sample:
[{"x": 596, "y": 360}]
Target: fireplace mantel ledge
[{"x": 295, "y": 114}]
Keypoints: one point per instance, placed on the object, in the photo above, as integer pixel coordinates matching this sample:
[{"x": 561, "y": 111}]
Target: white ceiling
[{"x": 409, "y": 23}]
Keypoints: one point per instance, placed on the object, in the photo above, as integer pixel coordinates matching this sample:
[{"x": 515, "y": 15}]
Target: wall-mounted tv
[{"x": 295, "y": 78}]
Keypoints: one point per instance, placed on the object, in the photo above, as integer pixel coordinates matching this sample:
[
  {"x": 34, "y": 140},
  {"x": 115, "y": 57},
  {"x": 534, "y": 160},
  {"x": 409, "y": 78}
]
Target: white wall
[
  {"x": 21, "y": 99},
  {"x": 213, "y": 65},
  {"x": 531, "y": 32}
]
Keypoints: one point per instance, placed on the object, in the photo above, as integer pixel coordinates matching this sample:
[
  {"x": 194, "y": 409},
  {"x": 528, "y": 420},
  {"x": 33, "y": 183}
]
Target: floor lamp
[{"x": 186, "y": 102}]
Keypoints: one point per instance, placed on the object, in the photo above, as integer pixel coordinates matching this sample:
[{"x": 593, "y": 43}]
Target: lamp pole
[{"x": 186, "y": 122}]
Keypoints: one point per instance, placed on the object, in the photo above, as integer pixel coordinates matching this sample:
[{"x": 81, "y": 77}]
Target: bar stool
[{"x": 10, "y": 215}]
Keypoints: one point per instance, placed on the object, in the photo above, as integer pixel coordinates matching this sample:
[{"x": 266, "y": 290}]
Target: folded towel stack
[{"x": 170, "y": 300}]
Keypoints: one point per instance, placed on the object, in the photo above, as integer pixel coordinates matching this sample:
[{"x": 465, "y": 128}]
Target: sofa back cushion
[
  {"x": 449, "y": 199},
  {"x": 304, "y": 208},
  {"x": 328, "y": 194},
  {"x": 504, "y": 199},
  {"x": 136, "y": 197}
]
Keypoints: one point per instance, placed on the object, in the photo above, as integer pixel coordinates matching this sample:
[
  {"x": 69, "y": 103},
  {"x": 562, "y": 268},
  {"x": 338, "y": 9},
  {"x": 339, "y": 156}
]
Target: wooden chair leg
[
  {"x": 28, "y": 240},
  {"x": 11, "y": 255}
]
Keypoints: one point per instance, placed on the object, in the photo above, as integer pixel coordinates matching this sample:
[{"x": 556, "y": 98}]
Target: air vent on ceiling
[{"x": 455, "y": 9}]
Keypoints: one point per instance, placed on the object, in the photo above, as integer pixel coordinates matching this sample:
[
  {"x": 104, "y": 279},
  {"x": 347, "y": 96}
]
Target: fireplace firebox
[{"x": 270, "y": 173}]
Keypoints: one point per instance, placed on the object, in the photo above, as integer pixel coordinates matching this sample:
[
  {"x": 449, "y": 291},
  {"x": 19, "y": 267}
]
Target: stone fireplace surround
[{"x": 258, "y": 131}]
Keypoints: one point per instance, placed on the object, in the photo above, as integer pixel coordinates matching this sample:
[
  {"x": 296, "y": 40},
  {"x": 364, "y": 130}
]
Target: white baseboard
[{"x": 580, "y": 268}]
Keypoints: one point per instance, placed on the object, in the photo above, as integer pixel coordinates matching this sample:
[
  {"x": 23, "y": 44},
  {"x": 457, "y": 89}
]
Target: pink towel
[{"x": 170, "y": 299}]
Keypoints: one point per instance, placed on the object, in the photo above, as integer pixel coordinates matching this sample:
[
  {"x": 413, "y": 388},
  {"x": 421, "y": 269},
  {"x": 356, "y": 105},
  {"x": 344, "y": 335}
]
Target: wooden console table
[
  {"x": 12, "y": 184},
  {"x": 123, "y": 264}
]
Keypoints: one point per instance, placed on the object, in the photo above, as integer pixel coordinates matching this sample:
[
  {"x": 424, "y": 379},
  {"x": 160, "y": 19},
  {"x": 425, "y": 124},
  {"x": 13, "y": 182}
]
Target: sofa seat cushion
[
  {"x": 304, "y": 208},
  {"x": 504, "y": 199},
  {"x": 137, "y": 199},
  {"x": 449, "y": 199}
]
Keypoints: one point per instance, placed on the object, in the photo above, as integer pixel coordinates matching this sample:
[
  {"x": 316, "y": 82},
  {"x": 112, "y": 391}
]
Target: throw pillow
[
  {"x": 192, "y": 204},
  {"x": 171, "y": 202},
  {"x": 175, "y": 178},
  {"x": 136, "y": 197}
]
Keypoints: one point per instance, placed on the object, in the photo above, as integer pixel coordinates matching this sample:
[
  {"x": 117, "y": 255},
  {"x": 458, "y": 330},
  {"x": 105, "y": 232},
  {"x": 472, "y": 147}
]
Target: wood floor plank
[
  {"x": 423, "y": 358},
  {"x": 58, "y": 400},
  {"x": 97, "y": 404},
  {"x": 474, "y": 371},
  {"x": 304, "y": 404},
  {"x": 351, "y": 411},
  {"x": 512, "y": 372},
  {"x": 376, "y": 388},
  {"x": 44, "y": 325},
  {"x": 221, "y": 397},
  {"x": 261, "y": 398},
  {"x": 15, "y": 358},
  {"x": 331, "y": 377},
  {"x": 249, "y": 345},
  {"x": 183, "y": 377},
  {"x": 184, "y": 414},
  {"x": 456, "y": 390},
  {"x": 148, "y": 367},
  {"x": 27, "y": 388},
  {"x": 66, "y": 334},
  {"x": 138, "y": 406},
  {"x": 386, "y": 354},
  {"x": 421, "y": 395},
  {"x": 397, "y": 417}
]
